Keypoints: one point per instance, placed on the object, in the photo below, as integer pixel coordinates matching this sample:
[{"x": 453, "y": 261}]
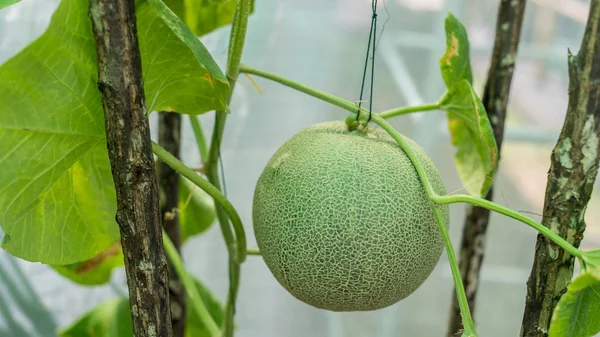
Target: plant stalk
[
  {"x": 200, "y": 138},
  {"x": 573, "y": 170},
  {"x": 469, "y": 326},
  {"x": 236, "y": 46},
  {"x": 452, "y": 199},
  {"x": 409, "y": 109},
  {"x": 132, "y": 164},
  {"x": 190, "y": 287},
  {"x": 329, "y": 98},
  {"x": 169, "y": 137},
  {"x": 220, "y": 199},
  {"x": 495, "y": 100}
]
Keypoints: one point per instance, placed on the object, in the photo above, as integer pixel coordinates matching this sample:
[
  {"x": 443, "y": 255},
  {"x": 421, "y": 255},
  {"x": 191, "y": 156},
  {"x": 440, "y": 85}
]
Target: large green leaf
[
  {"x": 95, "y": 271},
  {"x": 56, "y": 189},
  {"x": 476, "y": 150},
  {"x": 577, "y": 314},
  {"x": 113, "y": 318},
  {"x": 179, "y": 73},
  {"x": 196, "y": 213},
  {"x": 196, "y": 209},
  {"x": 204, "y": 16},
  {"x": 6, "y": 3}
]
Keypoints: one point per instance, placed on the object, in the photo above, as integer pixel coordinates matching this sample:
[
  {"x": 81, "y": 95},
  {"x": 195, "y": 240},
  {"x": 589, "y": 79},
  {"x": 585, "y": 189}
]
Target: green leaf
[
  {"x": 95, "y": 271},
  {"x": 113, "y": 319},
  {"x": 591, "y": 259},
  {"x": 476, "y": 150},
  {"x": 56, "y": 188},
  {"x": 204, "y": 16},
  {"x": 6, "y": 3},
  {"x": 577, "y": 312},
  {"x": 179, "y": 73},
  {"x": 471, "y": 134},
  {"x": 196, "y": 209}
]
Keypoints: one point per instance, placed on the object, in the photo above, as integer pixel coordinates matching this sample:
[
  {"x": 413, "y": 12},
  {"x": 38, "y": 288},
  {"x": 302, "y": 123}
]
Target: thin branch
[
  {"x": 573, "y": 170},
  {"x": 169, "y": 137},
  {"x": 132, "y": 164},
  {"x": 495, "y": 100}
]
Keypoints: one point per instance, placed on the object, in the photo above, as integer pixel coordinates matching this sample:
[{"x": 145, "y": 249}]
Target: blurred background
[{"x": 322, "y": 44}]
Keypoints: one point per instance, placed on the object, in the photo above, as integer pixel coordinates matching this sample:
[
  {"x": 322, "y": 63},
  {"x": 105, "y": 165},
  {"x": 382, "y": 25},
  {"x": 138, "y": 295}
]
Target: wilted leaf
[
  {"x": 113, "y": 318},
  {"x": 204, "y": 16},
  {"x": 476, "y": 150},
  {"x": 95, "y": 271},
  {"x": 456, "y": 62},
  {"x": 471, "y": 134},
  {"x": 577, "y": 314},
  {"x": 56, "y": 188}
]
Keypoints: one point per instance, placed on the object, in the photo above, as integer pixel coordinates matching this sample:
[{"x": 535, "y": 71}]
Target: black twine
[{"x": 372, "y": 38}]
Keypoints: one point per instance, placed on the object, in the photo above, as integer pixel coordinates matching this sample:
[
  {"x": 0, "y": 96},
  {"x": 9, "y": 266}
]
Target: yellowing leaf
[
  {"x": 476, "y": 153},
  {"x": 95, "y": 271},
  {"x": 471, "y": 134}
]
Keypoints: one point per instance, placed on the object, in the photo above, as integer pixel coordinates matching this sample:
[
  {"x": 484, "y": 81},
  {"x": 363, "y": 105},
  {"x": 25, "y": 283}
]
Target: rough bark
[
  {"x": 169, "y": 137},
  {"x": 495, "y": 100},
  {"x": 132, "y": 164},
  {"x": 573, "y": 169}
]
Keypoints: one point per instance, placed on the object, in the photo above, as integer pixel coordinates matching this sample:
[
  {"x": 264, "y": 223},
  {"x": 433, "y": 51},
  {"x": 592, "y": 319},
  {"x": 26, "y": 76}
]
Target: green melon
[{"x": 342, "y": 220}]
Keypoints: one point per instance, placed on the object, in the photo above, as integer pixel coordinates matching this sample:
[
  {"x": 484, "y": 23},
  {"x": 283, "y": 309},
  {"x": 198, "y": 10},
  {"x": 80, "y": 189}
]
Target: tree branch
[
  {"x": 573, "y": 169},
  {"x": 169, "y": 137},
  {"x": 132, "y": 164},
  {"x": 495, "y": 100}
]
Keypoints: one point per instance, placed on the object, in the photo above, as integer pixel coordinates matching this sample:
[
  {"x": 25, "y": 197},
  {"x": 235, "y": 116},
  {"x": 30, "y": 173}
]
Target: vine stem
[
  {"x": 329, "y": 98},
  {"x": 409, "y": 109},
  {"x": 564, "y": 244},
  {"x": 468, "y": 324},
  {"x": 237, "y": 38},
  {"x": 219, "y": 198},
  {"x": 190, "y": 287},
  {"x": 200, "y": 138}
]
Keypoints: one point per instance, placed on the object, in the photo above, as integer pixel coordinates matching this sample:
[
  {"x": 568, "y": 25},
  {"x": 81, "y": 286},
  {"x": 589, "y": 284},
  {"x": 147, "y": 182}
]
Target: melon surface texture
[{"x": 342, "y": 219}]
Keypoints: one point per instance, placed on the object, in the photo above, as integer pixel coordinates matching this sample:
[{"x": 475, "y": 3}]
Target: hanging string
[{"x": 372, "y": 39}]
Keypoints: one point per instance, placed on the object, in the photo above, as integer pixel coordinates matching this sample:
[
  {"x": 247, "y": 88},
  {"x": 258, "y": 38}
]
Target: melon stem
[{"x": 409, "y": 109}]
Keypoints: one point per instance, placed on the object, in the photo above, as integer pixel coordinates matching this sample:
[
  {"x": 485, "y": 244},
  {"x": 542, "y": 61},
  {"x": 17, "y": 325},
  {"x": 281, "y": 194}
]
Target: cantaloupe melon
[{"x": 342, "y": 220}]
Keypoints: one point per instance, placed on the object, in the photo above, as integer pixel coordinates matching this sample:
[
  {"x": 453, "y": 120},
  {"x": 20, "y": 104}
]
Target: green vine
[
  {"x": 463, "y": 303},
  {"x": 211, "y": 190},
  {"x": 236, "y": 47}
]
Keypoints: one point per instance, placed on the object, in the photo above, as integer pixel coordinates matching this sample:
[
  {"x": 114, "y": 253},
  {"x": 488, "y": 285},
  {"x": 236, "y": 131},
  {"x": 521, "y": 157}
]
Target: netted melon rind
[{"x": 342, "y": 220}]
